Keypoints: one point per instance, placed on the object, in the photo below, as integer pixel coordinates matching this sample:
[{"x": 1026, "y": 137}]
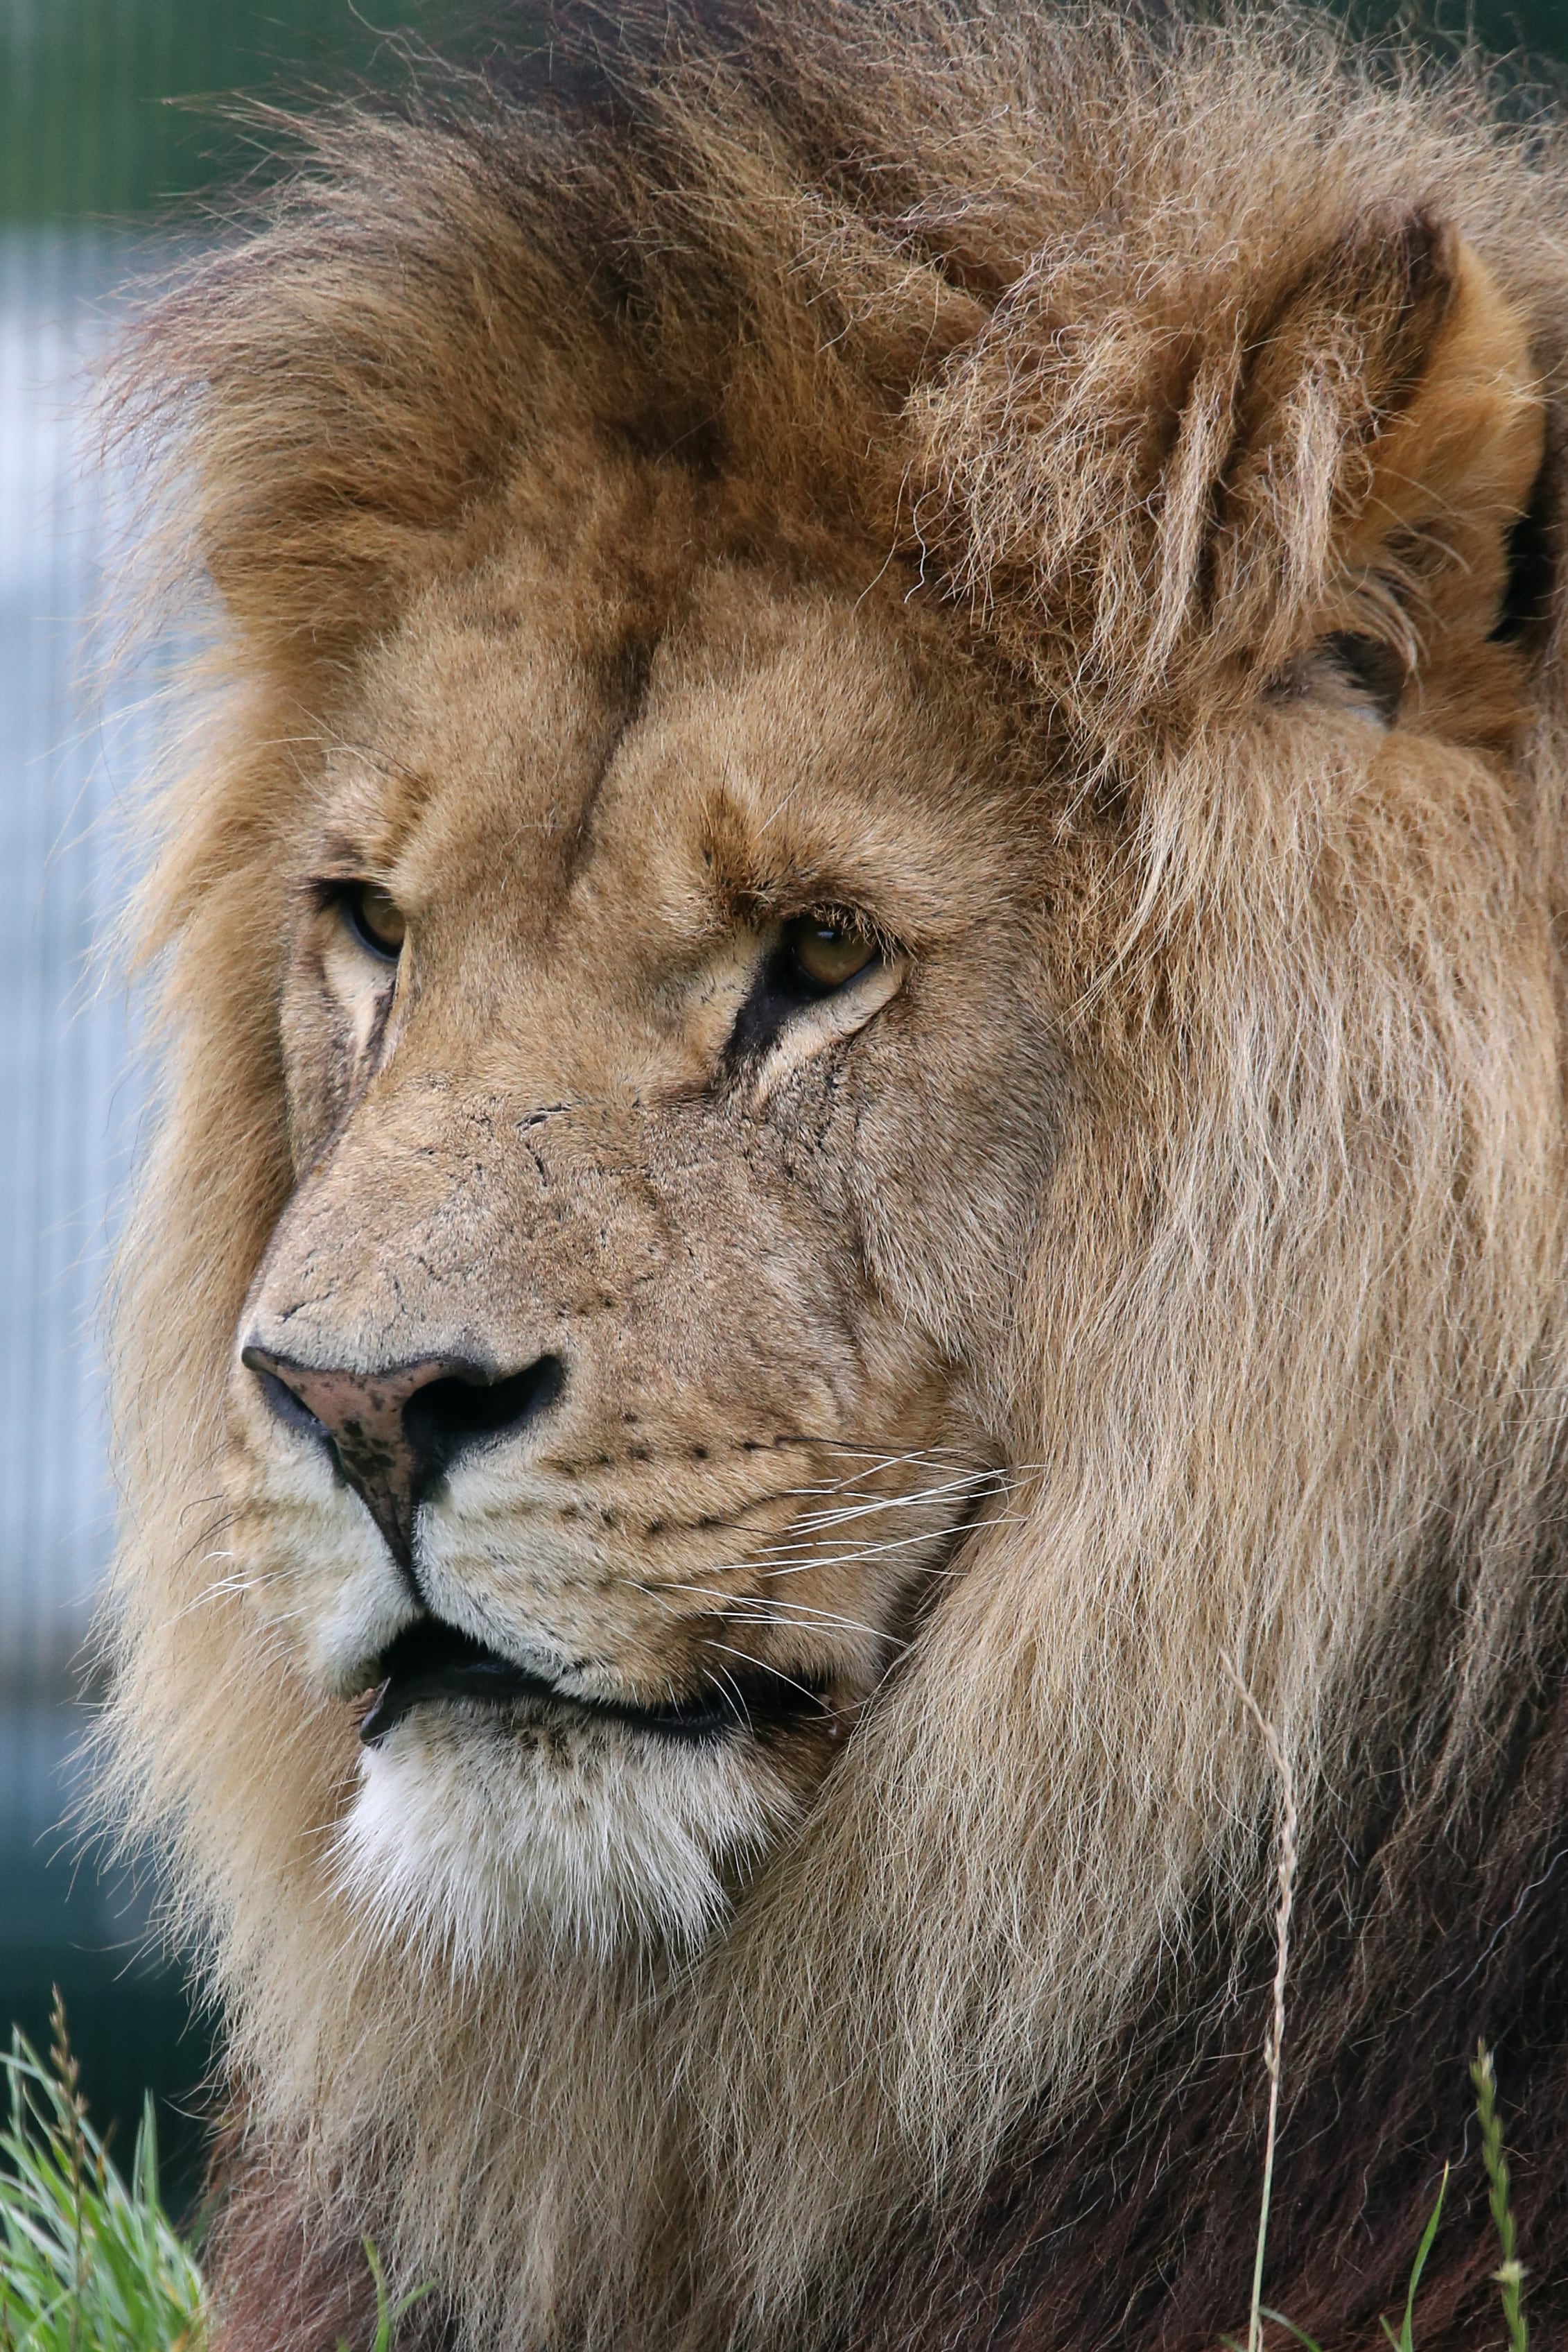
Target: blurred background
[{"x": 113, "y": 128}]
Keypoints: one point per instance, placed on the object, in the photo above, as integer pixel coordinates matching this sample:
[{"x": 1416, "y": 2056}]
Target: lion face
[{"x": 662, "y": 1115}]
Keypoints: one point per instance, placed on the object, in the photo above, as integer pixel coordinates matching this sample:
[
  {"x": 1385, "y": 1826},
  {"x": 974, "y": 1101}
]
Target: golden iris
[
  {"x": 829, "y": 954},
  {"x": 376, "y": 918}
]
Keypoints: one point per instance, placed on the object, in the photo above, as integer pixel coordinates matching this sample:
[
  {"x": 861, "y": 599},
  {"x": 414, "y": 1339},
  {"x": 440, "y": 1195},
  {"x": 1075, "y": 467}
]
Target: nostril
[
  {"x": 392, "y": 1432},
  {"x": 289, "y": 1408},
  {"x": 445, "y": 1416}
]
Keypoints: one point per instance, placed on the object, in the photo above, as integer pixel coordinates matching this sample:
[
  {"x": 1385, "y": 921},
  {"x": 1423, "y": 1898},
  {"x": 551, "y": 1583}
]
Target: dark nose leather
[{"x": 392, "y": 1433}]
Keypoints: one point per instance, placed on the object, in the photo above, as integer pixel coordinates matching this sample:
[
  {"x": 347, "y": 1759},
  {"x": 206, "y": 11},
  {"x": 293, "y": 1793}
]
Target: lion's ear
[
  {"x": 1436, "y": 541},
  {"x": 1172, "y": 503}
]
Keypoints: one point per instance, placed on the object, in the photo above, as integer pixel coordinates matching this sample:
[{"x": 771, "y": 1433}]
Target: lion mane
[{"x": 1187, "y": 396}]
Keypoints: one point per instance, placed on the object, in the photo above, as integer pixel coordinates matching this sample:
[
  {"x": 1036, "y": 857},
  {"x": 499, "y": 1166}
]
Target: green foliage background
[{"x": 109, "y": 106}]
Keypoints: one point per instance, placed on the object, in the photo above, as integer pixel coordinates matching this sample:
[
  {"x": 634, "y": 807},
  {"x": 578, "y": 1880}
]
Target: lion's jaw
[{"x": 557, "y": 1132}]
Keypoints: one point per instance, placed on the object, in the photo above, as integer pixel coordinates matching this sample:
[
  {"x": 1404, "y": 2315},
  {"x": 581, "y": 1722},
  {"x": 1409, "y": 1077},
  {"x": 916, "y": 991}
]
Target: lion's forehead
[{"x": 528, "y": 740}]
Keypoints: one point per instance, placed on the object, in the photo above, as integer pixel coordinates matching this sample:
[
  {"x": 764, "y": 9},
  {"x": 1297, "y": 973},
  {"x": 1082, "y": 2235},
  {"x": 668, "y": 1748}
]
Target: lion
[{"x": 862, "y": 1157}]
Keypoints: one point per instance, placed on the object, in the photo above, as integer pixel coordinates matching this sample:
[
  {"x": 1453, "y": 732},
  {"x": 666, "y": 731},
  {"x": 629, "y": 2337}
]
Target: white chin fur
[{"x": 472, "y": 1833}]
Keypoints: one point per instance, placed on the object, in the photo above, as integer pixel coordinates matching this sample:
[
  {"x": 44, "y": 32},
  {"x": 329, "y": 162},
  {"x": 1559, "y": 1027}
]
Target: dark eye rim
[
  {"x": 345, "y": 897},
  {"x": 814, "y": 990},
  {"x": 783, "y": 988}
]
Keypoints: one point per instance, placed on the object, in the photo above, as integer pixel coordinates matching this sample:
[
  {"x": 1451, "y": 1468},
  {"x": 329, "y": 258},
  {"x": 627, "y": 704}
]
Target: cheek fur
[{"x": 333, "y": 1028}]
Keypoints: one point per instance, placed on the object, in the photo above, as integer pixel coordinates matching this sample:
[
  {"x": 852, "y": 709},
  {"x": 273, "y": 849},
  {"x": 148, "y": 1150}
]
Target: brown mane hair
[{"x": 1092, "y": 330}]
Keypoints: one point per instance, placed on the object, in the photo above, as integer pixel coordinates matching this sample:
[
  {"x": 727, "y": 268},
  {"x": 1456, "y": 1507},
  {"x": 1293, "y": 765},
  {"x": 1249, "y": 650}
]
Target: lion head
[
  {"x": 863, "y": 1122},
  {"x": 603, "y": 1401}
]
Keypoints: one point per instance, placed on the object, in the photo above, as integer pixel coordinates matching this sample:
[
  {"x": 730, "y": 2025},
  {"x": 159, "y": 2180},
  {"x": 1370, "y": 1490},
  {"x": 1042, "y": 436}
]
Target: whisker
[
  {"x": 762, "y": 1666},
  {"x": 806, "y": 1621},
  {"x": 971, "y": 1483},
  {"x": 775, "y": 1570},
  {"x": 721, "y": 1677},
  {"x": 966, "y": 1479},
  {"x": 783, "y": 1614},
  {"x": 904, "y": 1502},
  {"x": 220, "y": 1588},
  {"x": 776, "y": 1561},
  {"x": 859, "y": 1553}
]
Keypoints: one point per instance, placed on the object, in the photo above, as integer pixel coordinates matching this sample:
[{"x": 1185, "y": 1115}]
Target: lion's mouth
[{"x": 432, "y": 1661}]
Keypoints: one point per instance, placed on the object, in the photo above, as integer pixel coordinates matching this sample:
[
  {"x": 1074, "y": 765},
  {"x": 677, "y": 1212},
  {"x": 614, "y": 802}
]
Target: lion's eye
[
  {"x": 828, "y": 954},
  {"x": 375, "y": 919}
]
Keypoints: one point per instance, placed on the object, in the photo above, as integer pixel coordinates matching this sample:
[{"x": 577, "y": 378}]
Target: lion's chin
[{"x": 474, "y": 1834}]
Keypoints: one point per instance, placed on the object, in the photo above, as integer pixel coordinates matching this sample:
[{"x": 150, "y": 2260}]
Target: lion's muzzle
[
  {"x": 585, "y": 1443},
  {"x": 392, "y": 1433}
]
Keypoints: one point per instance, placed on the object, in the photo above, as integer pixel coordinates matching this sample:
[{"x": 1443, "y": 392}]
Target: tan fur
[{"x": 924, "y": 467}]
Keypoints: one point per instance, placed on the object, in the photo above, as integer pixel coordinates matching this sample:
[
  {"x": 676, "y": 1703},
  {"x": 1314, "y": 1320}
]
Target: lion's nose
[{"x": 393, "y": 1432}]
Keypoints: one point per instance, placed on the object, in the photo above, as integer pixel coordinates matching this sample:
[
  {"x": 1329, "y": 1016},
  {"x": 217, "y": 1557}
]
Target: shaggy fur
[{"x": 1074, "y": 501}]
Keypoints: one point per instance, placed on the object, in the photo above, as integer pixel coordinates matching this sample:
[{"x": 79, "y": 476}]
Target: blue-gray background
[
  {"x": 111, "y": 124},
  {"x": 100, "y": 178}
]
